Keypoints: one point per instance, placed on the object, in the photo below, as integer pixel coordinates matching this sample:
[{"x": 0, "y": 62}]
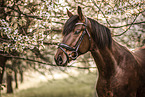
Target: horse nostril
[{"x": 59, "y": 60}]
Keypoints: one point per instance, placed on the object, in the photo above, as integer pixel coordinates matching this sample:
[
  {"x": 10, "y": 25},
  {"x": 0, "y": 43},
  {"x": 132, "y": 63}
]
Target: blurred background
[{"x": 30, "y": 31}]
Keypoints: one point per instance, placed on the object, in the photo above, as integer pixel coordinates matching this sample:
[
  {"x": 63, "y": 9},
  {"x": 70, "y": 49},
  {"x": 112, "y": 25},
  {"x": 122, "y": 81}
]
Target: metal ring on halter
[{"x": 74, "y": 56}]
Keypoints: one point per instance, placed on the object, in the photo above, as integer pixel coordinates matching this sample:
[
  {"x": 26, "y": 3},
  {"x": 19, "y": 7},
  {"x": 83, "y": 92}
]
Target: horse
[{"x": 121, "y": 72}]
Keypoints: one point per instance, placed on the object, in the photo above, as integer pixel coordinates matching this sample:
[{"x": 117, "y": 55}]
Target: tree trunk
[
  {"x": 2, "y": 67},
  {"x": 9, "y": 83},
  {"x": 16, "y": 80},
  {"x": 21, "y": 75}
]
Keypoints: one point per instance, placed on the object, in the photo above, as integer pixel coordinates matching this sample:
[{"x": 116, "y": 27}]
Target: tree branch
[
  {"x": 130, "y": 24},
  {"x": 40, "y": 62},
  {"x": 127, "y": 25},
  {"x": 50, "y": 43},
  {"x": 101, "y": 12},
  {"x": 20, "y": 12},
  {"x": 28, "y": 59}
]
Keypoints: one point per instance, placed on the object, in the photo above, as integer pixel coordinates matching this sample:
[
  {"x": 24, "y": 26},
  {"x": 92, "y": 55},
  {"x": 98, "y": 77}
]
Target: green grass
[{"x": 80, "y": 86}]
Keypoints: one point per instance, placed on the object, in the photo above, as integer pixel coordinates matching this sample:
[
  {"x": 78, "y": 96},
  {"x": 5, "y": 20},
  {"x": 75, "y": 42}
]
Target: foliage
[{"x": 24, "y": 27}]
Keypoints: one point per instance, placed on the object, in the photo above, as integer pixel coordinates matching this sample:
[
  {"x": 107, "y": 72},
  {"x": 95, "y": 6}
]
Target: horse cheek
[{"x": 84, "y": 47}]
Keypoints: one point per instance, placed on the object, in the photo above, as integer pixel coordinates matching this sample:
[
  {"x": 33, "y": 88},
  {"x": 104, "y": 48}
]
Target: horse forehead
[{"x": 66, "y": 37}]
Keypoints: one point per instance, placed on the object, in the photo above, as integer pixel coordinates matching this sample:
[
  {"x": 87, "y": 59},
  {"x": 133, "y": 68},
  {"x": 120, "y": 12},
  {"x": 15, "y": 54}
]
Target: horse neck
[{"x": 108, "y": 59}]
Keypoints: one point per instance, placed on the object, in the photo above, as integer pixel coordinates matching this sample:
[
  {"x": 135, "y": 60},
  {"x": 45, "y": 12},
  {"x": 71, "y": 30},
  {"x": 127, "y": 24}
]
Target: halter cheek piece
[{"x": 74, "y": 50}]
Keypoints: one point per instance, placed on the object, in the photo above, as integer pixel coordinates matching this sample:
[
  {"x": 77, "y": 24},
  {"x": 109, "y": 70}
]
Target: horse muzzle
[
  {"x": 63, "y": 57},
  {"x": 60, "y": 61}
]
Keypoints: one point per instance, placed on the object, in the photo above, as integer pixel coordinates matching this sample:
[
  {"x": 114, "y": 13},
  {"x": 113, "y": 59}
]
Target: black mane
[
  {"x": 100, "y": 34},
  {"x": 70, "y": 24}
]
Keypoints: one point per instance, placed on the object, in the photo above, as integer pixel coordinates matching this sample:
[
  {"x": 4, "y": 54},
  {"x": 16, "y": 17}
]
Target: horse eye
[{"x": 77, "y": 32}]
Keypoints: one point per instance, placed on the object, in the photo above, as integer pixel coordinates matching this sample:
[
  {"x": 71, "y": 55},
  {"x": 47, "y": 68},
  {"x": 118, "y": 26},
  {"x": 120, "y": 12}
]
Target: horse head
[{"x": 76, "y": 38}]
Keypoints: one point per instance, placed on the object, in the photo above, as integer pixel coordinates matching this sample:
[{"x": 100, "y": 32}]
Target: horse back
[{"x": 140, "y": 57}]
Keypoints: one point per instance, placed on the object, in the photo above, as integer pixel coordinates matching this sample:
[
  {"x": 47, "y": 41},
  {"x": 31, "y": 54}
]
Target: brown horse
[{"x": 121, "y": 72}]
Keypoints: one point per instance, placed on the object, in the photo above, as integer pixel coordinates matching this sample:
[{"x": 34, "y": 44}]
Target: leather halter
[{"x": 74, "y": 50}]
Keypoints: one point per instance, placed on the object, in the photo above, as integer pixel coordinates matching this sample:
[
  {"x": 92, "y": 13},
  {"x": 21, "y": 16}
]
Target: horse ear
[
  {"x": 81, "y": 16},
  {"x": 69, "y": 13}
]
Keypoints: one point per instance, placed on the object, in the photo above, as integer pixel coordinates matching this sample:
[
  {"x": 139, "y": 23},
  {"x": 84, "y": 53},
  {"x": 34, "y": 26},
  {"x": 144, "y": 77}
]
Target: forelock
[{"x": 70, "y": 24}]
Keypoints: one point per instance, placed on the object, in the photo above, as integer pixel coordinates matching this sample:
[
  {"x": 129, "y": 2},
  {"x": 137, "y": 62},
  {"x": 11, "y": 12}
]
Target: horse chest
[{"x": 117, "y": 86}]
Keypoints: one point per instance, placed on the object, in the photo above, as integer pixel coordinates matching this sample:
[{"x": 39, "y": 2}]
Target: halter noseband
[{"x": 75, "y": 49}]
